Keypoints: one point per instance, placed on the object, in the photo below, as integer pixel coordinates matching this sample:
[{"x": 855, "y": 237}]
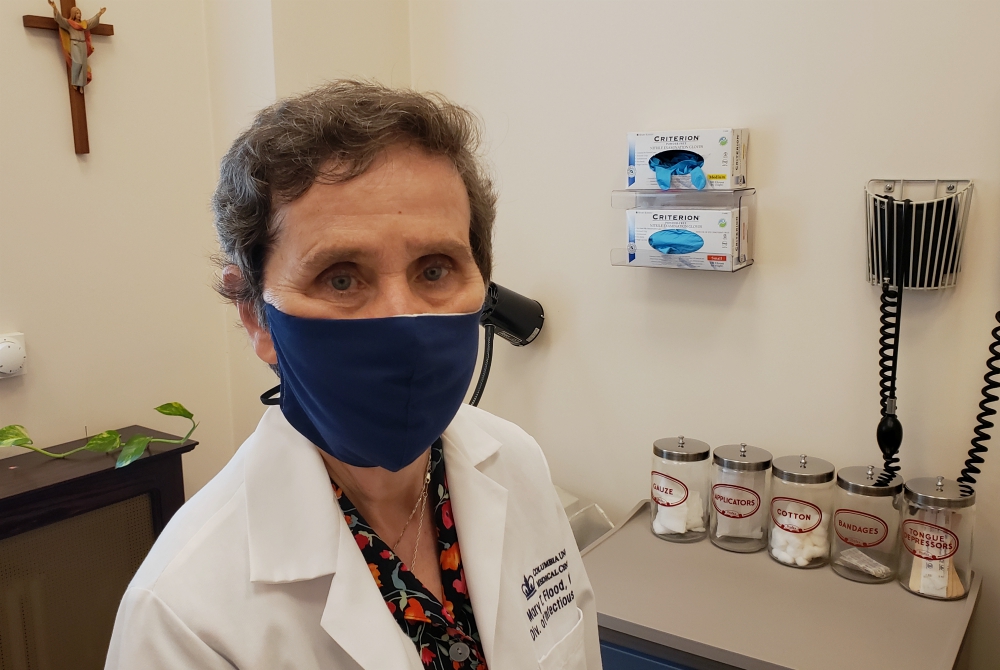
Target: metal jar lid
[
  {"x": 681, "y": 449},
  {"x": 861, "y": 480},
  {"x": 936, "y": 492},
  {"x": 742, "y": 457},
  {"x": 802, "y": 470}
]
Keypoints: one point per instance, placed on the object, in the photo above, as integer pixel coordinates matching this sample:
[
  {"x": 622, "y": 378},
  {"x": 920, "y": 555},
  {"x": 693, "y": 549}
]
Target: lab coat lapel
[
  {"x": 479, "y": 507},
  {"x": 292, "y": 514},
  {"x": 297, "y": 532},
  {"x": 356, "y": 616}
]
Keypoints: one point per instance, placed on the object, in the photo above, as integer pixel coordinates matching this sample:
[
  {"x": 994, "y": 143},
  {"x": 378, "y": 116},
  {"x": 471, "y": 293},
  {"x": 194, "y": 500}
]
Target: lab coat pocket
[{"x": 568, "y": 653}]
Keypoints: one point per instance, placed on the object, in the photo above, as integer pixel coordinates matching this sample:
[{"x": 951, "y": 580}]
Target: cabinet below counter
[{"x": 697, "y": 607}]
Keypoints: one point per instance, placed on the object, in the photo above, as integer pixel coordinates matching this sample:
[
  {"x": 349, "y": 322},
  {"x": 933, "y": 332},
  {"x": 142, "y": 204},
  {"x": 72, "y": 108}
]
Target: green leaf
[
  {"x": 14, "y": 436},
  {"x": 104, "y": 442},
  {"x": 174, "y": 409},
  {"x": 132, "y": 450}
]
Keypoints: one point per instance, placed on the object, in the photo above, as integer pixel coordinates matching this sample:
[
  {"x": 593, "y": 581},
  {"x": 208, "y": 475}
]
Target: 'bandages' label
[
  {"x": 795, "y": 516},
  {"x": 667, "y": 491},
  {"x": 735, "y": 502},
  {"x": 859, "y": 529},
  {"x": 927, "y": 541}
]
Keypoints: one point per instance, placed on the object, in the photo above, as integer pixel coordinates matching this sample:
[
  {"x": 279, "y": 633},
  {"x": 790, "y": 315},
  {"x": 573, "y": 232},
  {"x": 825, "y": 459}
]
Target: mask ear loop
[{"x": 267, "y": 397}]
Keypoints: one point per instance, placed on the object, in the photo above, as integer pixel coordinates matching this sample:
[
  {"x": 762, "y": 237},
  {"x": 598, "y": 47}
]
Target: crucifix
[{"x": 75, "y": 37}]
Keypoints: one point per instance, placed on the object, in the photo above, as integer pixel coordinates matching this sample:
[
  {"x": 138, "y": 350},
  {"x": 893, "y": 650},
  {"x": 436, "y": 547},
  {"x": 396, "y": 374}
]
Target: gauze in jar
[{"x": 679, "y": 489}]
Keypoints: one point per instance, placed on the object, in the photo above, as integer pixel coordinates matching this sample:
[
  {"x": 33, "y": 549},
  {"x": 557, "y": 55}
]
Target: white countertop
[{"x": 748, "y": 611}]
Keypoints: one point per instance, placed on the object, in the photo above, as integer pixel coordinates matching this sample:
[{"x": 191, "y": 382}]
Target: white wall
[
  {"x": 105, "y": 257},
  {"x": 783, "y": 355}
]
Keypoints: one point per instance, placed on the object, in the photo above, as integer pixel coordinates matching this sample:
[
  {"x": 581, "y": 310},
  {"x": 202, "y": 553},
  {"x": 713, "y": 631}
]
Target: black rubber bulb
[{"x": 889, "y": 435}]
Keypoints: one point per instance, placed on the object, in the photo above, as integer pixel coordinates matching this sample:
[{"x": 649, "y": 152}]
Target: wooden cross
[{"x": 77, "y": 105}]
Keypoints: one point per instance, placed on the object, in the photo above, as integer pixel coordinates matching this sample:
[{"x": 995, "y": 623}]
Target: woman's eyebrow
[
  {"x": 449, "y": 247},
  {"x": 323, "y": 257},
  {"x": 326, "y": 256}
]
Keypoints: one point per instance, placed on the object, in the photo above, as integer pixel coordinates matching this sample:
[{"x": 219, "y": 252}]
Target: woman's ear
[{"x": 260, "y": 336}]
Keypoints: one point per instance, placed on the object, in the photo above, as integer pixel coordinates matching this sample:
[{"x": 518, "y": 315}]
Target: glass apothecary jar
[
  {"x": 801, "y": 497},
  {"x": 936, "y": 522},
  {"x": 679, "y": 489},
  {"x": 738, "y": 515},
  {"x": 863, "y": 546}
]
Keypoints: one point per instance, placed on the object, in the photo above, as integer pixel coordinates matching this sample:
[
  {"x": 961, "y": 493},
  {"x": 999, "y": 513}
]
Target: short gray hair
[{"x": 332, "y": 134}]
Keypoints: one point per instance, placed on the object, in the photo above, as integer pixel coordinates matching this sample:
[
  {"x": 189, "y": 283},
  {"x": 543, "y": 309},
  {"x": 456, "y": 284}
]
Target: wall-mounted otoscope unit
[{"x": 513, "y": 317}]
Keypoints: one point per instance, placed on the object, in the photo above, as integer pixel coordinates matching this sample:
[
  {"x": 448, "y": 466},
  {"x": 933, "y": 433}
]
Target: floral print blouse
[{"x": 445, "y": 633}]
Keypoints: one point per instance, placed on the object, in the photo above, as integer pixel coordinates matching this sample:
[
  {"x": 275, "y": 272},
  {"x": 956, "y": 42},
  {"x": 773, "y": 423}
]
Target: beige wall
[
  {"x": 105, "y": 256},
  {"x": 241, "y": 81},
  {"x": 319, "y": 40},
  {"x": 783, "y": 355}
]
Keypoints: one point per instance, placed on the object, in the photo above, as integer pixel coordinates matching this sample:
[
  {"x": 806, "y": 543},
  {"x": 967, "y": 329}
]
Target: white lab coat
[{"x": 259, "y": 571}]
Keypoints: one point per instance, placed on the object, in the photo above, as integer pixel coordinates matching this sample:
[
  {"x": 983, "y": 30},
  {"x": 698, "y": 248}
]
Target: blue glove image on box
[
  {"x": 677, "y": 161},
  {"x": 676, "y": 241}
]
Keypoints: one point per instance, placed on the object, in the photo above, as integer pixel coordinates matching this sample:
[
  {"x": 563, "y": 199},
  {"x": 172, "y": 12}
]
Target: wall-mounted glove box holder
[{"x": 686, "y": 229}]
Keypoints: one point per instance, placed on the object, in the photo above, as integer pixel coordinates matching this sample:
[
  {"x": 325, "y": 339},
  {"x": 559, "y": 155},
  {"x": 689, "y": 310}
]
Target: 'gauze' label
[
  {"x": 668, "y": 491},
  {"x": 735, "y": 502},
  {"x": 859, "y": 529},
  {"x": 795, "y": 516},
  {"x": 927, "y": 541}
]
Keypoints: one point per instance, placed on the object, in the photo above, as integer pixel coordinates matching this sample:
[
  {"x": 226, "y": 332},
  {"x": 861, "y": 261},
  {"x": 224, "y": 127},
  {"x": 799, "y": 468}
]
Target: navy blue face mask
[{"x": 374, "y": 392}]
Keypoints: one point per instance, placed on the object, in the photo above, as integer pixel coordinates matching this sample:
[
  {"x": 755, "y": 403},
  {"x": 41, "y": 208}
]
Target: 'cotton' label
[
  {"x": 667, "y": 491},
  {"x": 795, "y": 516}
]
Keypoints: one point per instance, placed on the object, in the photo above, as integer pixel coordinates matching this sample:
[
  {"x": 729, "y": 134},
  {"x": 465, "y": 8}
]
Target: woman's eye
[
  {"x": 341, "y": 282},
  {"x": 434, "y": 273}
]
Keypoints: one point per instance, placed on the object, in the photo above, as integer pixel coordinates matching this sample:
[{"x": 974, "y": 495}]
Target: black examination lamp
[{"x": 512, "y": 316}]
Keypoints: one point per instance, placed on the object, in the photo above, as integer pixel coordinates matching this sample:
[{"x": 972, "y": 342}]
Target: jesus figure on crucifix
[{"x": 79, "y": 47}]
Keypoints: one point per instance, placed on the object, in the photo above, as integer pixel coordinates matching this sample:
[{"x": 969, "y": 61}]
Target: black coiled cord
[
  {"x": 888, "y": 342},
  {"x": 484, "y": 371},
  {"x": 890, "y": 431},
  {"x": 966, "y": 479}
]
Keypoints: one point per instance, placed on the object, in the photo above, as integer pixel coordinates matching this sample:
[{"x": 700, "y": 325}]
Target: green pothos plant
[{"x": 106, "y": 442}]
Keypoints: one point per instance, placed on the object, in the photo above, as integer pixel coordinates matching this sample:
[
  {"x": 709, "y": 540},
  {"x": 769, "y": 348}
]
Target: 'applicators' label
[{"x": 735, "y": 502}]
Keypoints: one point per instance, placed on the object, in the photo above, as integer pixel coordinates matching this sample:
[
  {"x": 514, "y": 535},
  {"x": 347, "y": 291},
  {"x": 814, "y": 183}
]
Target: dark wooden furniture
[{"x": 72, "y": 534}]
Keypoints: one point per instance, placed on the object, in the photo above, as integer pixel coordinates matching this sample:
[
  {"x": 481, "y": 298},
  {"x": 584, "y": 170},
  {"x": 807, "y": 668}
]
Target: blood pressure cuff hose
[{"x": 666, "y": 164}]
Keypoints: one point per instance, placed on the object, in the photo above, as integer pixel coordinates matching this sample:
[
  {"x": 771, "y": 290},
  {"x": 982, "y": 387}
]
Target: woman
[{"x": 372, "y": 520}]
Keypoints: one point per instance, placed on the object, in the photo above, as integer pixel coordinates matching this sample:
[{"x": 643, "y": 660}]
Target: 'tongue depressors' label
[
  {"x": 928, "y": 541},
  {"x": 702, "y": 239}
]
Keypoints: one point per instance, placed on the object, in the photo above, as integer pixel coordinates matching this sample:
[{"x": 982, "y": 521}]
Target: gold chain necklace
[{"x": 421, "y": 504}]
